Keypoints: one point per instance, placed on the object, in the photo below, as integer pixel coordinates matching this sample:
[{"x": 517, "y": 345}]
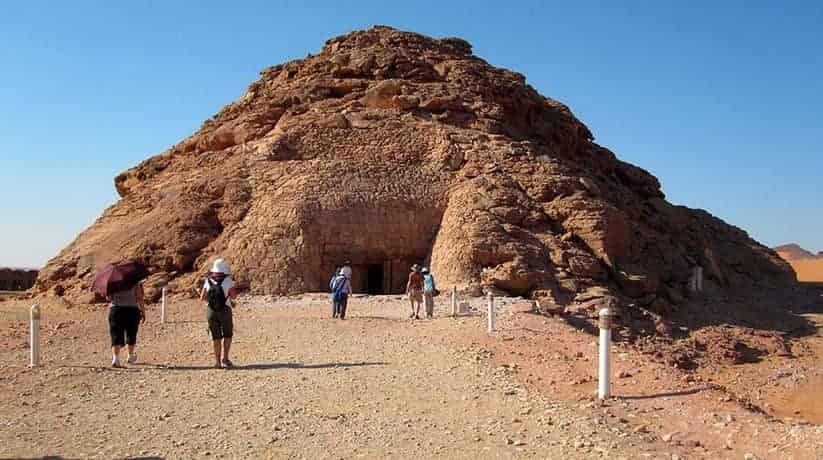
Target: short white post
[
  {"x": 605, "y": 371},
  {"x": 454, "y": 301},
  {"x": 163, "y": 306},
  {"x": 693, "y": 281},
  {"x": 490, "y": 313},
  {"x": 34, "y": 346}
]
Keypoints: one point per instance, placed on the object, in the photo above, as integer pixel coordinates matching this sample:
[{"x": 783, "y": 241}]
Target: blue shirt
[
  {"x": 345, "y": 288},
  {"x": 428, "y": 283}
]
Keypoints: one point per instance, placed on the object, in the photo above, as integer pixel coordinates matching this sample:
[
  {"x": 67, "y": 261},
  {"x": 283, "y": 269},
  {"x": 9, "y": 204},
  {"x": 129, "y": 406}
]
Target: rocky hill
[
  {"x": 390, "y": 148},
  {"x": 793, "y": 251}
]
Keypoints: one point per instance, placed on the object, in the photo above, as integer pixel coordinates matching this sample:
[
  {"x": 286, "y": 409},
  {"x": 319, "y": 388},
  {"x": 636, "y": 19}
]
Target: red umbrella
[{"x": 119, "y": 276}]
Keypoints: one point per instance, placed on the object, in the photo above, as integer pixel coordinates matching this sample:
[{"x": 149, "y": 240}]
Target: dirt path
[{"x": 374, "y": 386}]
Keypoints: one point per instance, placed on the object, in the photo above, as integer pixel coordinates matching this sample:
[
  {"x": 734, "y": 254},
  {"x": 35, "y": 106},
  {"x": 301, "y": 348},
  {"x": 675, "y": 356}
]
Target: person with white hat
[{"x": 218, "y": 290}]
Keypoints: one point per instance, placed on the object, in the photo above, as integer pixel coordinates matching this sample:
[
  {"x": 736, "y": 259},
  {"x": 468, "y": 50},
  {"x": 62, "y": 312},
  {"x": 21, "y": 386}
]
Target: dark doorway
[{"x": 374, "y": 279}]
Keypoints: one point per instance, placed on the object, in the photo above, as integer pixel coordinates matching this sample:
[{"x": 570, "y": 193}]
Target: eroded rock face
[{"x": 390, "y": 148}]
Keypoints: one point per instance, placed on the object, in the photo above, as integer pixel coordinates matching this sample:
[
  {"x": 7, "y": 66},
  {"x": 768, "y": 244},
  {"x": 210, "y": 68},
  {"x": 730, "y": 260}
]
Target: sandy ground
[{"x": 381, "y": 386}]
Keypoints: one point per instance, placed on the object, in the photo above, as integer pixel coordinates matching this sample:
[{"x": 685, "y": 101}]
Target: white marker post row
[
  {"x": 605, "y": 371},
  {"x": 34, "y": 337}
]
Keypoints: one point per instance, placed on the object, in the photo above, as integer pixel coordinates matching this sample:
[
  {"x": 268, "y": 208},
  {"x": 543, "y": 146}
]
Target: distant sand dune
[
  {"x": 793, "y": 251},
  {"x": 807, "y": 265},
  {"x": 808, "y": 269}
]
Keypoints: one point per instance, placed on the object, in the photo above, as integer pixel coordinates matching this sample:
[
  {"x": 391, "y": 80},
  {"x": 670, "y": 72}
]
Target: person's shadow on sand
[{"x": 267, "y": 366}]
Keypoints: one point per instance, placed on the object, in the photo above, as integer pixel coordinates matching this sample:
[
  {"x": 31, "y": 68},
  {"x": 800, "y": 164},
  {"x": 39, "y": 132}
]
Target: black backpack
[{"x": 215, "y": 295}]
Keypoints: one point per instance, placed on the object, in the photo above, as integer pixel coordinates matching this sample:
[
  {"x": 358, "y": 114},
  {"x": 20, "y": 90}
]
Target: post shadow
[{"x": 666, "y": 394}]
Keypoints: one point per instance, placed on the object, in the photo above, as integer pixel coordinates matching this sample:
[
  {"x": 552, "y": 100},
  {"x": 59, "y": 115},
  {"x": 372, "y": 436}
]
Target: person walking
[
  {"x": 340, "y": 291},
  {"x": 414, "y": 289},
  {"x": 218, "y": 292},
  {"x": 346, "y": 269},
  {"x": 334, "y": 275},
  {"x": 429, "y": 292},
  {"x": 126, "y": 312}
]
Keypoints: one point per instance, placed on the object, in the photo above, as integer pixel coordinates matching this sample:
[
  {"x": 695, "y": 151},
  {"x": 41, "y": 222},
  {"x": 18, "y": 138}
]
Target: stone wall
[
  {"x": 14, "y": 279},
  {"x": 387, "y": 240}
]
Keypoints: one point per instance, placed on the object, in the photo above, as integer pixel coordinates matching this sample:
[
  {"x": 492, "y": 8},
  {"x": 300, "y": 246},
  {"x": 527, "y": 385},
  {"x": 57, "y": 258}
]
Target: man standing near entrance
[
  {"x": 340, "y": 291},
  {"x": 414, "y": 288},
  {"x": 346, "y": 270},
  {"x": 429, "y": 291}
]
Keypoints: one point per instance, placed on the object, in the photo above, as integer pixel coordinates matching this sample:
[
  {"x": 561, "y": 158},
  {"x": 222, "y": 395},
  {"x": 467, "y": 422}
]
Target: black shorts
[
  {"x": 123, "y": 325},
  {"x": 221, "y": 325}
]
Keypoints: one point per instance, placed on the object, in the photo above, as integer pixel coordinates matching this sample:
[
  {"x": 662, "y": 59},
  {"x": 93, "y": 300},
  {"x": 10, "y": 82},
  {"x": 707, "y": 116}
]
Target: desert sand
[
  {"x": 807, "y": 265},
  {"x": 810, "y": 270}
]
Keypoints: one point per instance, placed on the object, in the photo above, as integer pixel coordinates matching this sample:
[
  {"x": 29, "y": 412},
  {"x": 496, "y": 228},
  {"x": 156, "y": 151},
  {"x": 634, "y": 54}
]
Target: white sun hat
[{"x": 220, "y": 266}]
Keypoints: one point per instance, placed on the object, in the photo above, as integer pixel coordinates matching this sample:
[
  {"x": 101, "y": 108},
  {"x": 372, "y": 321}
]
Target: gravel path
[{"x": 306, "y": 386}]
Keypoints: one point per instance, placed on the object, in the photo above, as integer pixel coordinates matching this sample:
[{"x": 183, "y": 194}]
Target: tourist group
[{"x": 121, "y": 284}]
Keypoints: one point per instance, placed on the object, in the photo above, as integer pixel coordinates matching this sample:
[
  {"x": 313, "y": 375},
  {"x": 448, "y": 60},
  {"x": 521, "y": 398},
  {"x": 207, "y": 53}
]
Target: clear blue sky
[{"x": 723, "y": 101}]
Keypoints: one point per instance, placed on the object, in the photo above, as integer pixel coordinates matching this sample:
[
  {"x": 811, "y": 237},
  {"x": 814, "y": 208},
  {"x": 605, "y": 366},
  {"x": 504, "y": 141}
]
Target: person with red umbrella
[{"x": 120, "y": 283}]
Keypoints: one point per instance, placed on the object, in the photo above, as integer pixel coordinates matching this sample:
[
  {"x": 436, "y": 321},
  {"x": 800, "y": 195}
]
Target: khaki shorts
[{"x": 416, "y": 295}]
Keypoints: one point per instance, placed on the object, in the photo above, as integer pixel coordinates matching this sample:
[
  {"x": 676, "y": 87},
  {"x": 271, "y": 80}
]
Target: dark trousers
[
  {"x": 123, "y": 325},
  {"x": 339, "y": 306}
]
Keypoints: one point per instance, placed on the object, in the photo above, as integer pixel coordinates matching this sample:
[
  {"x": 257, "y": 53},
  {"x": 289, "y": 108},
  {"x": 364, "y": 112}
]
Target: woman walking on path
[
  {"x": 414, "y": 288},
  {"x": 218, "y": 290},
  {"x": 126, "y": 312},
  {"x": 429, "y": 292}
]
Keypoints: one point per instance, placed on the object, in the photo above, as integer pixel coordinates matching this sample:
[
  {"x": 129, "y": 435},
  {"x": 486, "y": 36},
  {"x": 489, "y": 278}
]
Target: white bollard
[
  {"x": 693, "y": 281},
  {"x": 696, "y": 280},
  {"x": 490, "y": 313},
  {"x": 605, "y": 371},
  {"x": 34, "y": 346},
  {"x": 163, "y": 306},
  {"x": 454, "y": 301}
]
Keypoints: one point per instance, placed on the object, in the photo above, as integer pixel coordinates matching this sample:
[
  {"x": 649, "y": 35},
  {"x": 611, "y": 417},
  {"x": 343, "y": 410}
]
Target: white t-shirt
[
  {"x": 227, "y": 284},
  {"x": 346, "y": 270}
]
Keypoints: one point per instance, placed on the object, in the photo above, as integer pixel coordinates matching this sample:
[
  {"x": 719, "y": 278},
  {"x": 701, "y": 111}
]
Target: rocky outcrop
[{"x": 389, "y": 148}]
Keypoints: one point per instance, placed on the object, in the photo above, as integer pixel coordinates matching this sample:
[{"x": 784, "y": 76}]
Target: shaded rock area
[
  {"x": 390, "y": 148},
  {"x": 17, "y": 279}
]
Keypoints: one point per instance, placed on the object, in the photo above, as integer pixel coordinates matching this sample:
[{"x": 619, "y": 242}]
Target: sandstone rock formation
[{"x": 389, "y": 148}]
